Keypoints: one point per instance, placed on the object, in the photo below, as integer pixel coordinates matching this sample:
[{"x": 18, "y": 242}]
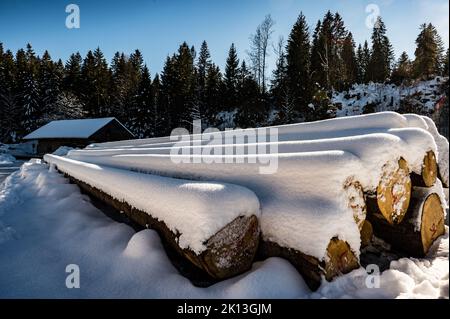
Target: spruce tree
[
  {"x": 213, "y": 94},
  {"x": 50, "y": 77},
  {"x": 403, "y": 69},
  {"x": 141, "y": 118},
  {"x": 381, "y": 58},
  {"x": 445, "y": 68},
  {"x": 428, "y": 53},
  {"x": 350, "y": 63},
  {"x": 72, "y": 75},
  {"x": 28, "y": 89},
  {"x": 10, "y": 112},
  {"x": 231, "y": 79},
  {"x": 96, "y": 84},
  {"x": 298, "y": 50}
]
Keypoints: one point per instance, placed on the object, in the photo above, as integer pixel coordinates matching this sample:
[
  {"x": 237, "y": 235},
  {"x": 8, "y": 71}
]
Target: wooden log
[
  {"x": 229, "y": 252},
  {"x": 429, "y": 173},
  {"x": 340, "y": 260},
  {"x": 366, "y": 234},
  {"x": 393, "y": 193},
  {"x": 406, "y": 236}
]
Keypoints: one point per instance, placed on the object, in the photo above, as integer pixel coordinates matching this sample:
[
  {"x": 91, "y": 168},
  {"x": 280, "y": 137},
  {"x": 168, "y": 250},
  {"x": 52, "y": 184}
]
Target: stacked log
[
  {"x": 393, "y": 193},
  {"x": 366, "y": 234},
  {"x": 423, "y": 223},
  {"x": 229, "y": 252},
  {"x": 339, "y": 260},
  {"x": 429, "y": 173}
]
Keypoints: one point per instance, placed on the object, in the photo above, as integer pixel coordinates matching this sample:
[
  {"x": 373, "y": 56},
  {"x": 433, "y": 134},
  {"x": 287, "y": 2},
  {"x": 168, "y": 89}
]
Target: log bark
[
  {"x": 366, "y": 234},
  {"x": 340, "y": 260},
  {"x": 429, "y": 173},
  {"x": 229, "y": 252},
  {"x": 404, "y": 236},
  {"x": 393, "y": 193}
]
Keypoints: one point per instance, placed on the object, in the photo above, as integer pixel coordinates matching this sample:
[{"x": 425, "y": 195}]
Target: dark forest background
[{"x": 311, "y": 64}]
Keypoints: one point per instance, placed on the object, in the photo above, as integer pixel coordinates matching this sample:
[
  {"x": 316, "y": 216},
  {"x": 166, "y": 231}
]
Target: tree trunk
[
  {"x": 429, "y": 172},
  {"x": 393, "y": 193},
  {"x": 340, "y": 260},
  {"x": 404, "y": 236},
  {"x": 229, "y": 252}
]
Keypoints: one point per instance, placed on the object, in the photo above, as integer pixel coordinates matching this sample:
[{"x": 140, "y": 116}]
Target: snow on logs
[
  {"x": 423, "y": 223},
  {"x": 293, "y": 211},
  {"x": 214, "y": 225},
  {"x": 348, "y": 163}
]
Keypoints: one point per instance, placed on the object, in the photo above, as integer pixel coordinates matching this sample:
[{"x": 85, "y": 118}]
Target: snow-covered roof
[{"x": 82, "y": 128}]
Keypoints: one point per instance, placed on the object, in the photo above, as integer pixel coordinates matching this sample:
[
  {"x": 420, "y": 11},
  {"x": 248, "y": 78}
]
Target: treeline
[{"x": 310, "y": 64}]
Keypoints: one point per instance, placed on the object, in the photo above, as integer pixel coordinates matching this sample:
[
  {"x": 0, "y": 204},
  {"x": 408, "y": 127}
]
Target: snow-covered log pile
[
  {"x": 315, "y": 181},
  {"x": 214, "y": 225}
]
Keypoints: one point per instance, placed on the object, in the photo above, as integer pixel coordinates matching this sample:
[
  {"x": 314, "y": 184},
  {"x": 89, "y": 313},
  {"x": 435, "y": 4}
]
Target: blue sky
[{"x": 157, "y": 27}]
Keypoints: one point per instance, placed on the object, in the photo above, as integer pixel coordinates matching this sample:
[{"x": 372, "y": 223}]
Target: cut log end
[
  {"x": 366, "y": 234},
  {"x": 432, "y": 225},
  {"x": 429, "y": 172},
  {"x": 340, "y": 259},
  {"x": 394, "y": 193},
  {"x": 406, "y": 237},
  {"x": 232, "y": 249}
]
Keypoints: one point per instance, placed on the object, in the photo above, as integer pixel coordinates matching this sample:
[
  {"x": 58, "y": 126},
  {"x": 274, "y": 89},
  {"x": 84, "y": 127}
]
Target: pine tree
[
  {"x": 316, "y": 60},
  {"x": 350, "y": 63},
  {"x": 402, "y": 70},
  {"x": 28, "y": 89},
  {"x": 281, "y": 96},
  {"x": 203, "y": 65},
  {"x": 213, "y": 94},
  {"x": 168, "y": 95},
  {"x": 158, "y": 126},
  {"x": 380, "y": 64},
  {"x": 96, "y": 84},
  {"x": 141, "y": 118},
  {"x": 72, "y": 75},
  {"x": 9, "y": 110},
  {"x": 445, "y": 71},
  {"x": 298, "y": 50},
  {"x": 230, "y": 80},
  {"x": 251, "y": 111},
  {"x": 50, "y": 87},
  {"x": 185, "y": 110},
  {"x": 429, "y": 52}
]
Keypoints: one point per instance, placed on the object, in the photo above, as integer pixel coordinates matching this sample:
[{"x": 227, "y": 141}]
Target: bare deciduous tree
[{"x": 259, "y": 44}]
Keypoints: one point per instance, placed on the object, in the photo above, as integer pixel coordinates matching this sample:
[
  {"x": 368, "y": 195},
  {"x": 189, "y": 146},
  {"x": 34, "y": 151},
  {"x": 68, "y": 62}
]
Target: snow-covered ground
[
  {"x": 38, "y": 241},
  {"x": 5, "y": 157}
]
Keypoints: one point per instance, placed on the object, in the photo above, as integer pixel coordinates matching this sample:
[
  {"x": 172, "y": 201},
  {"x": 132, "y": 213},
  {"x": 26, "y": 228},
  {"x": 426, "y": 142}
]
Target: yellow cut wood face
[
  {"x": 394, "y": 193},
  {"x": 340, "y": 259},
  {"x": 429, "y": 169},
  {"x": 432, "y": 221}
]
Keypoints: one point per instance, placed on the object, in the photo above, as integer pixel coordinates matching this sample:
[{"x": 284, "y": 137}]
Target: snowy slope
[
  {"x": 387, "y": 97},
  {"x": 210, "y": 206},
  {"x": 38, "y": 238}
]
